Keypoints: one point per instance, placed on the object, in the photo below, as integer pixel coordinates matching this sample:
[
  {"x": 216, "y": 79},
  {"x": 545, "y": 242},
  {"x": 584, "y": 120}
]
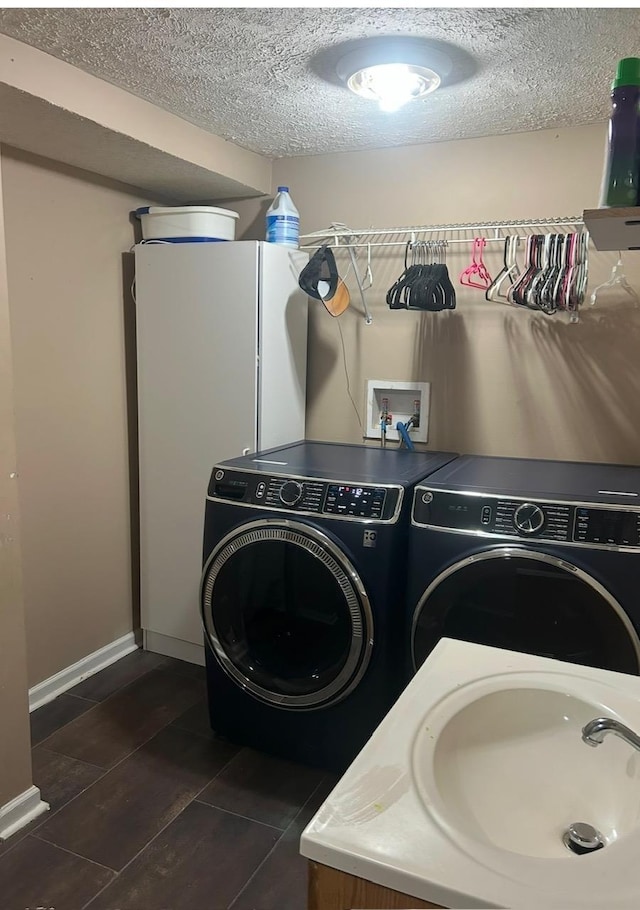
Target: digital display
[
  {"x": 449, "y": 510},
  {"x": 608, "y": 526},
  {"x": 362, "y": 502}
]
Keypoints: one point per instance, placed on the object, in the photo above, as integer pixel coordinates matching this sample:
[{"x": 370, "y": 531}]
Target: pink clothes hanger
[{"x": 476, "y": 275}]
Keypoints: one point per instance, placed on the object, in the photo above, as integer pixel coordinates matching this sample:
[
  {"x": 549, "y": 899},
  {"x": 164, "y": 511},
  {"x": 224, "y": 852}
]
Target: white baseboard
[
  {"x": 173, "y": 647},
  {"x": 20, "y": 811},
  {"x": 49, "y": 689}
]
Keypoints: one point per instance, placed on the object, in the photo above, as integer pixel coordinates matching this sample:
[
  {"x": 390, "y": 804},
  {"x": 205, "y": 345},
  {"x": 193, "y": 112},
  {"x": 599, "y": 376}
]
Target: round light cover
[
  {"x": 394, "y": 84},
  {"x": 394, "y": 71}
]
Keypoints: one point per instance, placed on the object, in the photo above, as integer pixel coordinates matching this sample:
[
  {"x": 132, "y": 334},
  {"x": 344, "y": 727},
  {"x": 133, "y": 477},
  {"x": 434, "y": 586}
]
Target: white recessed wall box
[{"x": 400, "y": 401}]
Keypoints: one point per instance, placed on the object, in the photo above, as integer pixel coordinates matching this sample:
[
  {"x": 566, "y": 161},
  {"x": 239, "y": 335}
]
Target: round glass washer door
[
  {"x": 286, "y": 614},
  {"x": 526, "y": 601}
]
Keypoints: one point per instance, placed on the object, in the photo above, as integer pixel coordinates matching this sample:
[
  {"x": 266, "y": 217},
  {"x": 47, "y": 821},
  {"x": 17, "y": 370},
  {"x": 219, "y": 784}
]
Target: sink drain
[{"x": 581, "y": 838}]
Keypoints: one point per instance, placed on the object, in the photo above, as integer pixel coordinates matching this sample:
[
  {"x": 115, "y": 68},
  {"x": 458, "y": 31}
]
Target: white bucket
[{"x": 180, "y": 224}]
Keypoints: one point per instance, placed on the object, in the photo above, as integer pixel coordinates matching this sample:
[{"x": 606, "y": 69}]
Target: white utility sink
[
  {"x": 509, "y": 769},
  {"x": 463, "y": 795}
]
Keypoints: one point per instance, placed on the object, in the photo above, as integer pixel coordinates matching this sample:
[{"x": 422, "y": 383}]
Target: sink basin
[
  {"x": 463, "y": 795},
  {"x": 508, "y": 767}
]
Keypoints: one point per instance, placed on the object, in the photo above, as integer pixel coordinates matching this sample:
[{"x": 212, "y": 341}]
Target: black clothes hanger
[{"x": 425, "y": 283}]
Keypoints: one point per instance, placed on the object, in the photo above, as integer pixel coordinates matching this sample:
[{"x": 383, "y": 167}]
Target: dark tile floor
[{"x": 151, "y": 811}]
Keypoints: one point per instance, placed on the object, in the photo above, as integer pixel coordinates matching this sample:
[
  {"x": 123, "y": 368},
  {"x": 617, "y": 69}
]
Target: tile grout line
[
  {"x": 157, "y": 834},
  {"x": 215, "y": 776},
  {"x": 80, "y": 761},
  {"x": 94, "y": 705},
  {"x": 129, "y": 754},
  {"x": 161, "y": 666},
  {"x": 170, "y": 724},
  {"x": 210, "y": 735},
  {"x": 72, "y": 695},
  {"x": 101, "y": 701},
  {"x": 47, "y": 816},
  {"x": 71, "y": 853},
  {"x": 246, "y": 818},
  {"x": 73, "y": 758},
  {"x": 256, "y": 870},
  {"x": 284, "y": 831}
]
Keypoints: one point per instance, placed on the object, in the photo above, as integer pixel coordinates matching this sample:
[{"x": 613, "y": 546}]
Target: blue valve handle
[{"x": 403, "y": 433}]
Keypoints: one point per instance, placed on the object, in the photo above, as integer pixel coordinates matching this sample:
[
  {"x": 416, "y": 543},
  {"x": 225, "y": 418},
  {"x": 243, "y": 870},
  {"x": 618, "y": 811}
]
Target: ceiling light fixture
[{"x": 394, "y": 71}]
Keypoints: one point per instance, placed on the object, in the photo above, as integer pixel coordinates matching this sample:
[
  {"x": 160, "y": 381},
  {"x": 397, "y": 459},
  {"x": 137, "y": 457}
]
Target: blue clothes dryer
[{"x": 534, "y": 556}]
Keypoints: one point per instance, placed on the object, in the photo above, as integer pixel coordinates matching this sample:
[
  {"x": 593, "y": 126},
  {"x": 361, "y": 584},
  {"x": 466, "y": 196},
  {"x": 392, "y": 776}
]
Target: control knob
[
  {"x": 291, "y": 492},
  {"x": 528, "y": 518}
]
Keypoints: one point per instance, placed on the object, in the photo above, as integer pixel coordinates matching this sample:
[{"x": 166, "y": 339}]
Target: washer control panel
[
  {"x": 522, "y": 518},
  {"x": 295, "y": 494}
]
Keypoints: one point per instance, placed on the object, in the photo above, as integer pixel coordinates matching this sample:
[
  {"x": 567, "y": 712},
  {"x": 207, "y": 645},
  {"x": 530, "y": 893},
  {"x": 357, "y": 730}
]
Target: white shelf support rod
[{"x": 348, "y": 238}]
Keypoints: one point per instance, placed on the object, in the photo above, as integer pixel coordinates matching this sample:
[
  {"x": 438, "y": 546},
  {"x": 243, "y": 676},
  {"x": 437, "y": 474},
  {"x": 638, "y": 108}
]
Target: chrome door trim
[
  {"x": 522, "y": 553},
  {"x": 321, "y": 547},
  {"x": 541, "y": 541}
]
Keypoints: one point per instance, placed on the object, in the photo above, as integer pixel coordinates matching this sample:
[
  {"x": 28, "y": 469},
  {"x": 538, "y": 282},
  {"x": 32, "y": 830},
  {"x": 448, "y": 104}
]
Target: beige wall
[
  {"x": 53, "y": 108},
  {"x": 65, "y": 235},
  {"x": 15, "y": 754},
  {"x": 504, "y": 381}
]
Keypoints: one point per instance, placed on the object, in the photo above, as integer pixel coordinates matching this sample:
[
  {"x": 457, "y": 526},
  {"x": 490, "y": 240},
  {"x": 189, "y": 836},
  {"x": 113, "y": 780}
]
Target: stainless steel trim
[
  {"x": 355, "y": 483},
  {"x": 307, "y": 479},
  {"x": 325, "y": 515},
  {"x": 491, "y": 535},
  {"x": 531, "y": 540},
  {"x": 581, "y": 838},
  {"x": 621, "y": 507},
  {"x": 321, "y": 547},
  {"x": 594, "y": 732},
  {"x": 255, "y": 505},
  {"x": 538, "y": 512},
  {"x": 522, "y": 553}
]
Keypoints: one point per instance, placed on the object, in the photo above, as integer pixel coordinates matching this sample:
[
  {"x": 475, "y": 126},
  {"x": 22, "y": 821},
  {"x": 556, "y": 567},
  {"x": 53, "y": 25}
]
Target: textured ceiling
[{"x": 263, "y": 78}]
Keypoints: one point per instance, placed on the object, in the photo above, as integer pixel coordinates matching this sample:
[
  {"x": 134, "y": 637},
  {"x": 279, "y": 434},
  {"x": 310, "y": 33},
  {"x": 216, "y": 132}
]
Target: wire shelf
[{"x": 348, "y": 238}]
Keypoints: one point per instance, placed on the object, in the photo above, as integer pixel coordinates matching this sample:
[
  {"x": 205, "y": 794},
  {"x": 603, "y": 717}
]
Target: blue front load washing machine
[
  {"x": 302, "y": 595},
  {"x": 534, "y": 556}
]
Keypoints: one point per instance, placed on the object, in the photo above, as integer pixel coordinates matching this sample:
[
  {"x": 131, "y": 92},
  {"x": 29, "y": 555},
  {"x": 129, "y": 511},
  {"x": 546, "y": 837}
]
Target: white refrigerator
[{"x": 221, "y": 336}]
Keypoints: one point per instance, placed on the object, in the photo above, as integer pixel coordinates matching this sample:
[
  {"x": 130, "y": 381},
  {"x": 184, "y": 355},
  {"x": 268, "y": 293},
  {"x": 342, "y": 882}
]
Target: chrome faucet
[{"x": 595, "y": 731}]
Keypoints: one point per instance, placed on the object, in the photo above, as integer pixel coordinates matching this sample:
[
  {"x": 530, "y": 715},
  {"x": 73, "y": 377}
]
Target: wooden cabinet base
[{"x": 330, "y": 889}]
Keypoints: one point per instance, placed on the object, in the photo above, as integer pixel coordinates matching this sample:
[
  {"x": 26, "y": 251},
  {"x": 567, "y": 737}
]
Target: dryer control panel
[
  {"x": 518, "y": 518},
  {"x": 307, "y": 495},
  {"x": 608, "y": 526}
]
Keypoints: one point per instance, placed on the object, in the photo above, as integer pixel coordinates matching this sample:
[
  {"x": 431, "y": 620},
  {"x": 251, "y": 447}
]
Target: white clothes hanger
[{"x": 617, "y": 279}]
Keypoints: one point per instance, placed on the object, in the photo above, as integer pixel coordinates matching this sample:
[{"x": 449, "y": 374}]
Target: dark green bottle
[{"x": 621, "y": 185}]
